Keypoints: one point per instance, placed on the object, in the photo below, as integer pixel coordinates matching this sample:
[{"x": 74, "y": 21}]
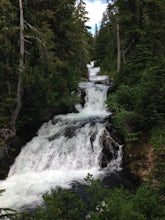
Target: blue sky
[{"x": 95, "y": 10}]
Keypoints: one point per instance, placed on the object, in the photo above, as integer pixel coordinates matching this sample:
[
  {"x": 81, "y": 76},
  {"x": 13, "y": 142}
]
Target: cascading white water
[{"x": 66, "y": 149}]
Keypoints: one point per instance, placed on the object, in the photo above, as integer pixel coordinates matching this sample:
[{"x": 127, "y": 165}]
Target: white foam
[{"x": 61, "y": 152}]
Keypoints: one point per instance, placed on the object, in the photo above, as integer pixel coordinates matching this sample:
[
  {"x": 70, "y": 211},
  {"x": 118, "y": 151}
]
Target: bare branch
[
  {"x": 27, "y": 41},
  {"x": 32, "y": 27},
  {"x": 27, "y": 52},
  {"x": 35, "y": 38}
]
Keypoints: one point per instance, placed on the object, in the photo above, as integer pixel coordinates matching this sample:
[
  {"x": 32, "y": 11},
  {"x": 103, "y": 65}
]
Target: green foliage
[
  {"x": 105, "y": 49},
  {"x": 56, "y": 53},
  {"x": 139, "y": 105},
  {"x": 119, "y": 204},
  {"x": 139, "y": 100},
  {"x": 60, "y": 205},
  {"x": 122, "y": 103},
  {"x": 147, "y": 202},
  {"x": 102, "y": 204},
  {"x": 158, "y": 143},
  {"x": 158, "y": 138},
  {"x": 96, "y": 191}
]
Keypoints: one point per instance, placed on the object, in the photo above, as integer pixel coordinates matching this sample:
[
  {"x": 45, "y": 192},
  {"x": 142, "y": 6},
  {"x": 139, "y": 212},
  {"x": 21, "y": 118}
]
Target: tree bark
[
  {"x": 118, "y": 42},
  {"x": 21, "y": 71}
]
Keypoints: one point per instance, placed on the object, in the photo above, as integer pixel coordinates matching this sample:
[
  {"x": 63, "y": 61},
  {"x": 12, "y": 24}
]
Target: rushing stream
[{"x": 65, "y": 150}]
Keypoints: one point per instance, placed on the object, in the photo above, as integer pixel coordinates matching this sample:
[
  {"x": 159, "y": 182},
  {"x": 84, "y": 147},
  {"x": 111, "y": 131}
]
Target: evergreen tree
[
  {"x": 138, "y": 25},
  {"x": 56, "y": 53},
  {"x": 138, "y": 100},
  {"x": 9, "y": 59}
]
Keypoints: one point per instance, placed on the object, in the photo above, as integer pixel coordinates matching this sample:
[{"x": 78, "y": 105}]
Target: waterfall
[{"x": 65, "y": 150}]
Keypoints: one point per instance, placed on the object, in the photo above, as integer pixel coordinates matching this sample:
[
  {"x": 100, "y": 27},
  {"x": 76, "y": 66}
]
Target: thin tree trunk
[
  {"x": 21, "y": 71},
  {"x": 118, "y": 43}
]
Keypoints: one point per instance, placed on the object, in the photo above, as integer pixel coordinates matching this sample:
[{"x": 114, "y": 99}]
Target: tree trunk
[
  {"x": 21, "y": 72},
  {"x": 118, "y": 43}
]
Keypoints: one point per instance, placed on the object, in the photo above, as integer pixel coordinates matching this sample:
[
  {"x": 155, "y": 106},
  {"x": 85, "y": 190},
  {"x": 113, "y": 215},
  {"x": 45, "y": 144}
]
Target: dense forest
[
  {"x": 45, "y": 47},
  {"x": 45, "y": 57},
  {"x": 130, "y": 48}
]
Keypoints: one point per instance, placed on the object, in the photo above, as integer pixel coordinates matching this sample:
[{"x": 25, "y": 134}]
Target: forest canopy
[{"x": 44, "y": 52}]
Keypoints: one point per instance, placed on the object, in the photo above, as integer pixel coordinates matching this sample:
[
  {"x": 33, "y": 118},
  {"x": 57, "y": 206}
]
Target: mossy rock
[{"x": 139, "y": 159}]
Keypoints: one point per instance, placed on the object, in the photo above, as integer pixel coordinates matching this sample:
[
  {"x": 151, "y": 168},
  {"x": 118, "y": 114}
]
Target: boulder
[{"x": 110, "y": 149}]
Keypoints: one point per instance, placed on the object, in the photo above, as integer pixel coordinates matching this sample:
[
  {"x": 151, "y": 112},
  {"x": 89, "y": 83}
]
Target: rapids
[{"x": 65, "y": 150}]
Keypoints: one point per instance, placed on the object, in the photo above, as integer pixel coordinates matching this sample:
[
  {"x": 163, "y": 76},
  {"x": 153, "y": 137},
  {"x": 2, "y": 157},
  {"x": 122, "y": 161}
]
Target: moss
[{"x": 140, "y": 159}]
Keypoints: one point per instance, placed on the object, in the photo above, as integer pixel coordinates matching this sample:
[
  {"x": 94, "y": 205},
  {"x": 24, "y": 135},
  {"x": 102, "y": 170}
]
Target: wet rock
[
  {"x": 4, "y": 150},
  {"x": 111, "y": 89},
  {"x": 107, "y": 156},
  {"x": 55, "y": 120},
  {"x": 53, "y": 137},
  {"x": 83, "y": 94},
  {"x": 80, "y": 93},
  {"x": 127, "y": 180},
  {"x": 114, "y": 132},
  {"x": 102, "y": 81},
  {"x": 8, "y": 152},
  {"x": 69, "y": 131},
  {"x": 92, "y": 139},
  {"x": 110, "y": 149}
]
